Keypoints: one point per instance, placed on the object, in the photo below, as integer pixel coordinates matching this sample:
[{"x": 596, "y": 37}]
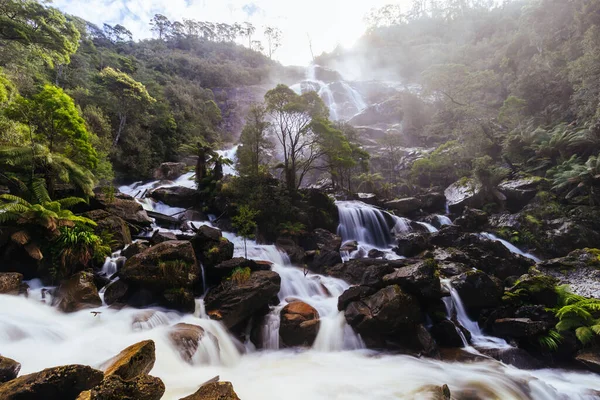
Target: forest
[{"x": 424, "y": 200}]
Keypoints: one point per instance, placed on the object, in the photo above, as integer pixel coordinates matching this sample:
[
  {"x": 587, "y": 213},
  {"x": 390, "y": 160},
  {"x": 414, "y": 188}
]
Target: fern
[
  {"x": 551, "y": 340},
  {"x": 578, "y": 314}
]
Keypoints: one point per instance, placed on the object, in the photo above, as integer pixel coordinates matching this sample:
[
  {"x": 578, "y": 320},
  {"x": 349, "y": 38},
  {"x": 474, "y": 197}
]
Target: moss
[
  {"x": 532, "y": 220},
  {"x": 240, "y": 275},
  {"x": 172, "y": 270},
  {"x": 213, "y": 250},
  {"x": 593, "y": 258}
]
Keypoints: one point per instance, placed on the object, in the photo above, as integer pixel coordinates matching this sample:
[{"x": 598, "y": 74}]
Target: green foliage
[
  {"x": 577, "y": 177},
  {"x": 76, "y": 248},
  {"x": 551, "y": 340},
  {"x": 442, "y": 167},
  {"x": 171, "y": 270},
  {"x": 240, "y": 275},
  {"x": 245, "y": 222},
  {"x": 291, "y": 228},
  {"x": 578, "y": 314}
]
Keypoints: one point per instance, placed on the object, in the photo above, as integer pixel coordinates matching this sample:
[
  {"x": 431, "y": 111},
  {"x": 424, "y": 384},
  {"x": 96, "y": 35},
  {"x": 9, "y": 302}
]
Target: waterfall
[
  {"x": 443, "y": 220},
  {"x": 454, "y": 306},
  {"x": 357, "y": 99},
  {"x": 109, "y": 268},
  {"x": 430, "y": 228},
  {"x": 363, "y": 223},
  {"x": 513, "y": 249}
]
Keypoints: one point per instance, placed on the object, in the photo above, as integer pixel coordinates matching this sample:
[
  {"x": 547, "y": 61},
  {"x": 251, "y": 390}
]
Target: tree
[
  {"x": 293, "y": 116},
  {"x": 392, "y": 149},
  {"x": 245, "y": 223},
  {"x": 128, "y": 96},
  {"x": 274, "y": 36},
  {"x": 32, "y": 24},
  {"x": 160, "y": 25},
  {"x": 118, "y": 33},
  {"x": 253, "y": 142},
  {"x": 249, "y": 30}
]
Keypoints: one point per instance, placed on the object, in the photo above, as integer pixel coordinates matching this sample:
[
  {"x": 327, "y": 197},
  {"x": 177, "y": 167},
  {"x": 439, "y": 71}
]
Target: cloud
[{"x": 327, "y": 22}]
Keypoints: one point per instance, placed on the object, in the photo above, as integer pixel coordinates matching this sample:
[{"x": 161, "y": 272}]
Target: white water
[
  {"x": 444, "y": 220},
  {"x": 430, "y": 228},
  {"x": 510, "y": 246}
]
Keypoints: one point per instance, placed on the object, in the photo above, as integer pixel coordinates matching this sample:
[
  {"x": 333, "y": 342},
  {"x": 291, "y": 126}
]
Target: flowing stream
[{"x": 337, "y": 367}]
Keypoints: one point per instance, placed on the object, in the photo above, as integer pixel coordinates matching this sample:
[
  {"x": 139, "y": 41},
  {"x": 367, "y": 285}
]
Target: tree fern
[{"x": 578, "y": 314}]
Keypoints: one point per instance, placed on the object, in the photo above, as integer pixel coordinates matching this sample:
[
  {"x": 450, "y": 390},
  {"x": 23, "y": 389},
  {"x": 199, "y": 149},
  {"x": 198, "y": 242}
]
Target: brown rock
[
  {"x": 10, "y": 283},
  {"x": 135, "y": 360},
  {"x": 9, "y": 369},
  {"x": 143, "y": 387},
  {"x": 590, "y": 358},
  {"x": 299, "y": 324},
  {"x": 58, "y": 383},
  {"x": 214, "y": 391},
  {"x": 186, "y": 338},
  {"x": 77, "y": 293}
]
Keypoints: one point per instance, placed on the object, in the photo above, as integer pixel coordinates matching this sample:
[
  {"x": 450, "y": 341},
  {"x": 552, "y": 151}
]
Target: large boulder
[
  {"x": 464, "y": 193},
  {"x": 477, "y": 291},
  {"x": 137, "y": 247},
  {"x": 388, "y": 313},
  {"x": 176, "y": 196},
  {"x": 420, "y": 279},
  {"x": 186, "y": 339},
  {"x": 137, "y": 359},
  {"x": 160, "y": 236},
  {"x": 226, "y": 268},
  {"x": 9, "y": 369},
  {"x": 115, "y": 292},
  {"x": 10, "y": 282},
  {"x": 214, "y": 391},
  {"x": 143, "y": 387},
  {"x": 112, "y": 224},
  {"x": 77, "y": 293},
  {"x": 299, "y": 324},
  {"x": 357, "y": 271},
  {"x": 406, "y": 206},
  {"x": 292, "y": 249},
  {"x": 58, "y": 383},
  {"x": 564, "y": 235},
  {"x": 387, "y": 112},
  {"x": 518, "y": 328},
  {"x": 411, "y": 244},
  {"x": 326, "y": 249},
  {"x": 233, "y": 301},
  {"x": 580, "y": 269},
  {"x": 520, "y": 191},
  {"x": 169, "y": 171},
  {"x": 590, "y": 358},
  {"x": 211, "y": 247},
  {"x": 472, "y": 219},
  {"x": 121, "y": 205}
]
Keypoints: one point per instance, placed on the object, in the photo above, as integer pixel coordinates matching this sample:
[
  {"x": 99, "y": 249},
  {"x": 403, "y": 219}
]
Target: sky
[{"x": 327, "y": 22}]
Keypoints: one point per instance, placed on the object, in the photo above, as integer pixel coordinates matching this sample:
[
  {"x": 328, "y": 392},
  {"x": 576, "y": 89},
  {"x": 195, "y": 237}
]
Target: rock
[
  {"x": 350, "y": 246},
  {"x": 233, "y": 302},
  {"x": 536, "y": 289},
  {"x": 368, "y": 198},
  {"x": 518, "y": 327},
  {"x": 353, "y": 293},
  {"x": 167, "y": 265},
  {"x": 176, "y": 196},
  {"x": 147, "y": 320},
  {"x": 299, "y": 324},
  {"x": 143, "y": 387},
  {"x": 122, "y": 206},
  {"x": 447, "y": 236},
  {"x": 169, "y": 171},
  {"x": 590, "y": 358},
  {"x": 214, "y": 391},
  {"x": 374, "y": 253},
  {"x": 354, "y": 271},
  {"x": 477, "y": 291},
  {"x": 321, "y": 209},
  {"x": 580, "y": 270},
  {"x": 445, "y": 334},
  {"x": 433, "y": 392},
  {"x": 58, "y": 383},
  {"x": 472, "y": 219},
  {"x": 412, "y": 244},
  {"x": 116, "y": 292},
  {"x": 327, "y": 249},
  {"x": 77, "y": 293},
  {"x": 293, "y": 250},
  {"x": 515, "y": 356},
  {"x": 10, "y": 283},
  {"x": 464, "y": 193},
  {"x": 225, "y": 268},
  {"x": 193, "y": 215},
  {"x": 420, "y": 279},
  {"x": 519, "y": 192},
  {"x": 9, "y": 369},
  {"x": 179, "y": 299},
  {"x": 137, "y": 359},
  {"x": 406, "y": 206},
  {"x": 186, "y": 338},
  {"x": 564, "y": 235},
  {"x": 432, "y": 201},
  {"x": 113, "y": 224},
  {"x": 373, "y": 275},
  {"x": 137, "y": 247},
  {"x": 387, "y": 313},
  {"x": 160, "y": 237},
  {"x": 211, "y": 247},
  {"x": 388, "y": 112}
]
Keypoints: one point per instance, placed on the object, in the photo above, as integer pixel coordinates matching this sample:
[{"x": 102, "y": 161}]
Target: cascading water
[
  {"x": 430, "y": 228},
  {"x": 510, "y": 246},
  {"x": 443, "y": 220}
]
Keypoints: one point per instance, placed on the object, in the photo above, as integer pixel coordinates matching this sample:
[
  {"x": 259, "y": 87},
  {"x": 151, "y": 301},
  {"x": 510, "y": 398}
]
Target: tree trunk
[{"x": 122, "y": 122}]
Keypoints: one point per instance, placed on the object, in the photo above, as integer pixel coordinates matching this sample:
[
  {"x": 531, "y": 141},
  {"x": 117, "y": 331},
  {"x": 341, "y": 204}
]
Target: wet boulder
[
  {"x": 446, "y": 334},
  {"x": 159, "y": 237},
  {"x": 211, "y": 247},
  {"x": 186, "y": 339},
  {"x": 515, "y": 356},
  {"x": 116, "y": 388},
  {"x": 214, "y": 391},
  {"x": 57, "y": 383},
  {"x": 137, "y": 247},
  {"x": 590, "y": 358},
  {"x": 564, "y": 235},
  {"x": 299, "y": 324},
  {"x": 412, "y": 244},
  {"x": 420, "y": 279},
  {"x": 113, "y": 224},
  {"x": 226, "y": 268},
  {"x": 10, "y": 283},
  {"x": 137, "y": 359},
  {"x": 580, "y": 270},
  {"x": 326, "y": 246},
  {"x": 176, "y": 196},
  {"x": 9, "y": 369},
  {"x": 169, "y": 171},
  {"x": 121, "y": 205},
  {"x": 386, "y": 313},
  {"x": 77, "y": 293},
  {"x": 519, "y": 192},
  {"x": 406, "y": 206},
  {"x": 235, "y": 300},
  {"x": 535, "y": 289},
  {"x": 464, "y": 193},
  {"x": 518, "y": 328},
  {"x": 354, "y": 293},
  {"x": 292, "y": 249},
  {"x": 354, "y": 271},
  {"x": 472, "y": 219},
  {"x": 180, "y": 299},
  {"x": 115, "y": 292},
  {"x": 477, "y": 290}
]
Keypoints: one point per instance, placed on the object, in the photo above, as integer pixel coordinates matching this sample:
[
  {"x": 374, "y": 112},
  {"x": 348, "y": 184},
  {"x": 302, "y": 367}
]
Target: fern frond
[
  {"x": 39, "y": 191},
  {"x": 584, "y": 334},
  {"x": 9, "y": 198},
  {"x": 70, "y": 202}
]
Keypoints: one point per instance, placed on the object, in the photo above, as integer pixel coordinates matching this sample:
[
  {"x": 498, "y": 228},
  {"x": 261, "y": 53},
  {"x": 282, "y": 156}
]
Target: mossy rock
[{"x": 534, "y": 289}]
